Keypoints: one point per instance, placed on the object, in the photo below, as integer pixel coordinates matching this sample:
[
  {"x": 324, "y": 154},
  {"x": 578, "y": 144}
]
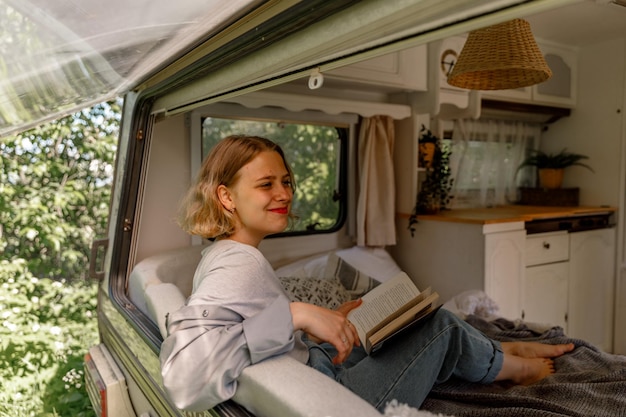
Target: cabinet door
[
  {"x": 560, "y": 89},
  {"x": 592, "y": 280},
  {"x": 504, "y": 268},
  {"x": 406, "y": 69},
  {"x": 545, "y": 298}
]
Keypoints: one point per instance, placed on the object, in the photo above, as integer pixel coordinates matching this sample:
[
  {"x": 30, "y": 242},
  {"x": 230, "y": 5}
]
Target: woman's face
[{"x": 261, "y": 197}]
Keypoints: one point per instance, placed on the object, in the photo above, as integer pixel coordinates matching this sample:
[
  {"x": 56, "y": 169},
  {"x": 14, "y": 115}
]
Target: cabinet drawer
[{"x": 544, "y": 248}]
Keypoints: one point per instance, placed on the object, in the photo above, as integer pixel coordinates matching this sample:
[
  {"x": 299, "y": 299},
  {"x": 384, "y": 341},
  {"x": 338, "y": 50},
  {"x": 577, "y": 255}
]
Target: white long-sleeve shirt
[{"x": 237, "y": 315}]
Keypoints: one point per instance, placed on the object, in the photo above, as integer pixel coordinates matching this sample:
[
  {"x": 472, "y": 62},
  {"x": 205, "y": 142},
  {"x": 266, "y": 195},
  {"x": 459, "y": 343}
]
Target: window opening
[{"x": 314, "y": 153}]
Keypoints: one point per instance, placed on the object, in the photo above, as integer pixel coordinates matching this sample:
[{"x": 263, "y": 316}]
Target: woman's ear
[{"x": 223, "y": 193}]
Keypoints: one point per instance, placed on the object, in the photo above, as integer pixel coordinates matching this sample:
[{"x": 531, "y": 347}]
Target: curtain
[
  {"x": 377, "y": 195},
  {"x": 485, "y": 158}
]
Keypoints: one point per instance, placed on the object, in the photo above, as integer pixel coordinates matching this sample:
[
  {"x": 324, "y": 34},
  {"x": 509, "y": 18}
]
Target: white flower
[
  {"x": 59, "y": 345},
  {"x": 55, "y": 330},
  {"x": 9, "y": 325},
  {"x": 36, "y": 327}
]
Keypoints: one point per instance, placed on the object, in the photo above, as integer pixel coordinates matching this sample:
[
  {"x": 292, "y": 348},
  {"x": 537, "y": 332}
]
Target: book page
[
  {"x": 414, "y": 313},
  {"x": 382, "y": 302}
]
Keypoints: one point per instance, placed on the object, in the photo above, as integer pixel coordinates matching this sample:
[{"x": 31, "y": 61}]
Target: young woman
[{"x": 238, "y": 314}]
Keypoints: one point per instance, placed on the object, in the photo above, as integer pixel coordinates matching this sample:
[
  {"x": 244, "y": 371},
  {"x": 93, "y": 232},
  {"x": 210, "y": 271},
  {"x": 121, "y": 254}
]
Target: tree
[{"x": 55, "y": 187}]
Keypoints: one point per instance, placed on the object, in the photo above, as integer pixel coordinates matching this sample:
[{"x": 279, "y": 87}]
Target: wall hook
[{"x": 316, "y": 80}]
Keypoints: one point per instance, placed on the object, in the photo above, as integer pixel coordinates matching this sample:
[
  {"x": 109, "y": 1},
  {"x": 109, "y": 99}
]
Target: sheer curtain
[{"x": 485, "y": 158}]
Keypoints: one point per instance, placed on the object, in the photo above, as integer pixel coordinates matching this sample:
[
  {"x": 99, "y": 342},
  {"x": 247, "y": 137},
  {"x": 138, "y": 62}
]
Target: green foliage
[
  {"x": 55, "y": 186},
  {"x": 426, "y": 136},
  {"x": 434, "y": 192},
  {"x": 559, "y": 160},
  {"x": 45, "y": 328}
]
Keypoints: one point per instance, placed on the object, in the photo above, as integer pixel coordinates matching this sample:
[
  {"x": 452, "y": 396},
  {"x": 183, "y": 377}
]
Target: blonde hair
[{"x": 201, "y": 212}]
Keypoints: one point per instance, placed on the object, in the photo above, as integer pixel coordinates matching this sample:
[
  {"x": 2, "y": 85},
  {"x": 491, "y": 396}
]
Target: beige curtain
[{"x": 377, "y": 193}]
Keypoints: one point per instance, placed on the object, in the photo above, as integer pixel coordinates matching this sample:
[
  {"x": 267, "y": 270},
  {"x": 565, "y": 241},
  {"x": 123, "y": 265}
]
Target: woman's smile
[{"x": 280, "y": 210}]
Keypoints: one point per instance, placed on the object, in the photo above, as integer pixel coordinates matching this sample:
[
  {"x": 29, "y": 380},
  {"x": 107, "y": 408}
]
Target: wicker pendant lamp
[{"x": 500, "y": 57}]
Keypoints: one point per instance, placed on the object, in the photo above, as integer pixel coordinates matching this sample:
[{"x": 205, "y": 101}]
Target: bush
[
  {"x": 46, "y": 327},
  {"x": 55, "y": 185}
]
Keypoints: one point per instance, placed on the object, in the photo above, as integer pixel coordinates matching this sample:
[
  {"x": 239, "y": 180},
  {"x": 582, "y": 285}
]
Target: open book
[{"x": 389, "y": 308}]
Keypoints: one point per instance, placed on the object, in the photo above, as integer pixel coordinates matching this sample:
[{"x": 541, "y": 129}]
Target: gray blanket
[{"x": 587, "y": 382}]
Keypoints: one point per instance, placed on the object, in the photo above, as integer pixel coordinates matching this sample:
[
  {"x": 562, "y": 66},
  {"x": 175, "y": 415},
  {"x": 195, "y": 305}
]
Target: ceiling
[{"x": 581, "y": 23}]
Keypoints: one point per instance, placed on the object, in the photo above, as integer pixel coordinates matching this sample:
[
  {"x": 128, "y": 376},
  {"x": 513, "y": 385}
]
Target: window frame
[{"x": 344, "y": 123}]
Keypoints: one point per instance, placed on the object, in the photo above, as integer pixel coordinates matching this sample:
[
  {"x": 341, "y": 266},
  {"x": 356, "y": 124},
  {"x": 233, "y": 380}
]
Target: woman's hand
[
  {"x": 327, "y": 325},
  {"x": 348, "y": 306}
]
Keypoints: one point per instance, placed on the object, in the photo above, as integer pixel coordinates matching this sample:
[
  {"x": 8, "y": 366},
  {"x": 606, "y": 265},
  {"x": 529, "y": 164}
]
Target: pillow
[
  {"x": 376, "y": 261},
  {"x": 309, "y": 267},
  {"x": 354, "y": 281},
  {"x": 321, "y": 292}
]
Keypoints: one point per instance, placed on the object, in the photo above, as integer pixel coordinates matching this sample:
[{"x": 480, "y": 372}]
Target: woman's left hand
[
  {"x": 322, "y": 324},
  {"x": 348, "y": 306},
  {"x": 344, "y": 309}
]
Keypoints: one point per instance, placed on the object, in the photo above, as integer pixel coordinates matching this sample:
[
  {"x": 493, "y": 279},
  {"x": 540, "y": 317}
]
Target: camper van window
[
  {"x": 485, "y": 156},
  {"x": 314, "y": 152}
]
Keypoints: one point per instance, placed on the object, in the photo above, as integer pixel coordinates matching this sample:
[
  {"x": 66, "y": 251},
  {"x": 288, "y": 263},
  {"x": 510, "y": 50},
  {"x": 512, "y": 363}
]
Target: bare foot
[
  {"x": 525, "y": 371},
  {"x": 536, "y": 349}
]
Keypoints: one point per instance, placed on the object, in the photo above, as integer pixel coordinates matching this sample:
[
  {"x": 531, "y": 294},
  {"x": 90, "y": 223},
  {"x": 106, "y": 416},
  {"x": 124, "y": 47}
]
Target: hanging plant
[
  {"x": 427, "y": 144},
  {"x": 434, "y": 191}
]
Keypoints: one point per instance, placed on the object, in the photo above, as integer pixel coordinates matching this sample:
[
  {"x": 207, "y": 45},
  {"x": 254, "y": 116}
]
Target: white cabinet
[
  {"x": 591, "y": 286},
  {"x": 558, "y": 278},
  {"x": 404, "y": 70},
  {"x": 569, "y": 282},
  {"x": 545, "y": 285},
  {"x": 545, "y": 294},
  {"x": 454, "y": 257},
  {"x": 559, "y": 90},
  {"x": 504, "y": 265}
]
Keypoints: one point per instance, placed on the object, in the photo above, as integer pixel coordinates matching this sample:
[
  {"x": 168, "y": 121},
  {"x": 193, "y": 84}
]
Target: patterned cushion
[
  {"x": 321, "y": 292},
  {"x": 356, "y": 282}
]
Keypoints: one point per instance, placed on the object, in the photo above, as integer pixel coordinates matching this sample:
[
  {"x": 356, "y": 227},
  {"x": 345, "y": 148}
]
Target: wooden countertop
[{"x": 513, "y": 213}]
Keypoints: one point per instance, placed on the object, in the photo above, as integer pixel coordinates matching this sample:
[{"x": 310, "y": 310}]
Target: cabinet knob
[{"x": 546, "y": 245}]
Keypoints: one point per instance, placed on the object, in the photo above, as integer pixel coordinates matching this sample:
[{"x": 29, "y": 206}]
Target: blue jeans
[{"x": 408, "y": 366}]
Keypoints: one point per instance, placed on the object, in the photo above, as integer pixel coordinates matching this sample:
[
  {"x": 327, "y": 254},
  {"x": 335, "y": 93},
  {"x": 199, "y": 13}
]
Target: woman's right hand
[{"x": 328, "y": 326}]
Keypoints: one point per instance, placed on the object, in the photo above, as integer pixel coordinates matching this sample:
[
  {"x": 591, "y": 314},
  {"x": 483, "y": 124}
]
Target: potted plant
[
  {"x": 427, "y": 144},
  {"x": 550, "y": 166},
  {"x": 434, "y": 191}
]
